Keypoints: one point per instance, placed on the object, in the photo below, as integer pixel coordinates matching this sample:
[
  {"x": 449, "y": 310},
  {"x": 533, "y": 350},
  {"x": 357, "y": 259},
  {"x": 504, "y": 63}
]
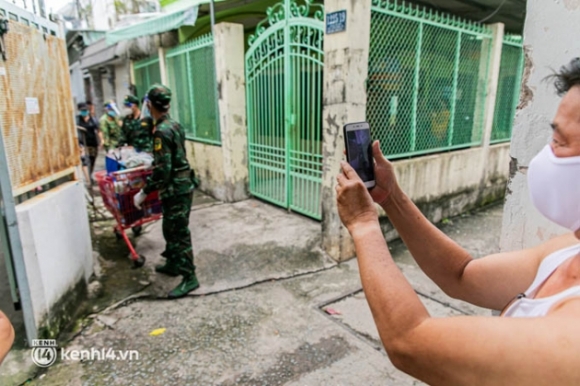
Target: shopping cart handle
[{"x": 136, "y": 169}]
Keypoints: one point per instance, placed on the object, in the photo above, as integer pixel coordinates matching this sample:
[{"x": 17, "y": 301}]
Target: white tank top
[{"x": 525, "y": 307}]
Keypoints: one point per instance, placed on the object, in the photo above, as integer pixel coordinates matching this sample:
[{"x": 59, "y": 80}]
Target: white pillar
[
  {"x": 491, "y": 94},
  {"x": 162, "y": 67},
  {"x": 230, "y": 77},
  {"x": 345, "y": 71},
  {"x": 492, "y": 80},
  {"x": 548, "y": 46}
]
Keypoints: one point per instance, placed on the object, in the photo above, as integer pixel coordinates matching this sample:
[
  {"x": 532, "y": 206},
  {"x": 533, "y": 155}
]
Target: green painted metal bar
[
  {"x": 416, "y": 86},
  {"x": 189, "y": 71},
  {"x": 451, "y": 126},
  {"x": 415, "y": 13},
  {"x": 145, "y": 62},
  {"x": 288, "y": 111},
  {"x": 518, "y": 86},
  {"x": 201, "y": 42}
]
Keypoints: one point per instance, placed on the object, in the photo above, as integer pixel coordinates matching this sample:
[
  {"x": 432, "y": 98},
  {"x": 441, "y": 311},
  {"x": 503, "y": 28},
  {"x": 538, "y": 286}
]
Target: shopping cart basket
[{"x": 117, "y": 190}]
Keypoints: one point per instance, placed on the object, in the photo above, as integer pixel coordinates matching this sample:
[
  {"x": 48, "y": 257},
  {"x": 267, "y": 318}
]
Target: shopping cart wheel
[
  {"x": 137, "y": 230},
  {"x": 118, "y": 234},
  {"x": 139, "y": 262}
]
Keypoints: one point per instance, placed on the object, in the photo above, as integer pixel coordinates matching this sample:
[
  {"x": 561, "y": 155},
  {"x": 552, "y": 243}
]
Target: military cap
[
  {"x": 159, "y": 96},
  {"x": 131, "y": 99}
]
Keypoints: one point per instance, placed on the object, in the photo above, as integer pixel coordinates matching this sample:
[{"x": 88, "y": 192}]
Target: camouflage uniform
[
  {"x": 111, "y": 131},
  {"x": 173, "y": 177},
  {"x": 136, "y": 132}
]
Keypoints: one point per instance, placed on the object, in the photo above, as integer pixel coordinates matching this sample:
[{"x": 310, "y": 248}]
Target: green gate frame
[
  {"x": 146, "y": 72},
  {"x": 284, "y": 77}
]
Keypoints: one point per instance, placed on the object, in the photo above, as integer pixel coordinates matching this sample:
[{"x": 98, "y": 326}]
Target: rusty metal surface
[{"x": 42, "y": 145}]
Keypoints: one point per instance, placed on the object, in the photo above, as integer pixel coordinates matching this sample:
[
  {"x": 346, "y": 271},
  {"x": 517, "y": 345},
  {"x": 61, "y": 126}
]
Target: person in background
[
  {"x": 88, "y": 134},
  {"x": 134, "y": 131},
  {"x": 6, "y": 336},
  {"x": 110, "y": 127},
  {"x": 174, "y": 179}
]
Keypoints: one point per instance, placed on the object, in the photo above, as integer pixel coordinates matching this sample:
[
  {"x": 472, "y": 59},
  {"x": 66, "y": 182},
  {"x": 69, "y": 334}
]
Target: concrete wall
[
  {"x": 448, "y": 184},
  {"x": 208, "y": 163},
  {"x": 223, "y": 170},
  {"x": 56, "y": 244},
  {"x": 548, "y": 28},
  {"x": 345, "y": 72},
  {"x": 77, "y": 83},
  {"x": 108, "y": 81},
  {"x": 122, "y": 82}
]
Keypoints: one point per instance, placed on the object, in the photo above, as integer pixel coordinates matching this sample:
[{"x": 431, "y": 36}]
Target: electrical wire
[{"x": 493, "y": 13}]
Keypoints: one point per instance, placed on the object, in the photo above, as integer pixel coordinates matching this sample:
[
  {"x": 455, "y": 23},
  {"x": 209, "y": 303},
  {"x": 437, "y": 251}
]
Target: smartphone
[{"x": 359, "y": 151}]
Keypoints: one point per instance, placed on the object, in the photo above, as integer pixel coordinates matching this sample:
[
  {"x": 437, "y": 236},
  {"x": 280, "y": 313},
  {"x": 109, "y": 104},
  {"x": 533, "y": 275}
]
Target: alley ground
[{"x": 272, "y": 308}]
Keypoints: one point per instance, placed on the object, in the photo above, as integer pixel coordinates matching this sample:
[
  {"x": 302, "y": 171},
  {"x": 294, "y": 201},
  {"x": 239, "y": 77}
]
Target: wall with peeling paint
[
  {"x": 548, "y": 43},
  {"x": 345, "y": 72},
  {"x": 223, "y": 170}
]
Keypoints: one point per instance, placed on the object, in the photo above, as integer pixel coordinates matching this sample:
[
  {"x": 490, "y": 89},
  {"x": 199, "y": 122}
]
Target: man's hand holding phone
[
  {"x": 386, "y": 184},
  {"x": 367, "y": 159},
  {"x": 355, "y": 204}
]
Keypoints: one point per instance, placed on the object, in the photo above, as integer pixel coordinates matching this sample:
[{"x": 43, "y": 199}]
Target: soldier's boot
[
  {"x": 188, "y": 284},
  {"x": 168, "y": 269}
]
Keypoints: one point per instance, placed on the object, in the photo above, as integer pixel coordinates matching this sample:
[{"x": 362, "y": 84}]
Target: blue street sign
[{"x": 335, "y": 22}]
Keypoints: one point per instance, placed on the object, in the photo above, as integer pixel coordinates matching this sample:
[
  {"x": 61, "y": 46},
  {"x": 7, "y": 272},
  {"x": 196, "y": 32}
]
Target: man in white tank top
[{"x": 537, "y": 342}]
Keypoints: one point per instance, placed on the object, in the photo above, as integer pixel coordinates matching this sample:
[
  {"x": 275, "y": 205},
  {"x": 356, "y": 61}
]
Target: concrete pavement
[{"x": 272, "y": 309}]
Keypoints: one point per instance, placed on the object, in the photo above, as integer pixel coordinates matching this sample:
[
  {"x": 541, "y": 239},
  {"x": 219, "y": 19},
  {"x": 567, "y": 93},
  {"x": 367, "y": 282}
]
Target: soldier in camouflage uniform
[
  {"x": 110, "y": 127},
  {"x": 135, "y": 132},
  {"x": 174, "y": 179}
]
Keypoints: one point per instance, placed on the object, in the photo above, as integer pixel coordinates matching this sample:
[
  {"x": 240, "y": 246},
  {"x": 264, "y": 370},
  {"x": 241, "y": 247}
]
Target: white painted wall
[
  {"x": 56, "y": 243},
  {"x": 108, "y": 82},
  {"x": 548, "y": 28},
  {"x": 77, "y": 83},
  {"x": 122, "y": 81},
  {"x": 104, "y": 14}
]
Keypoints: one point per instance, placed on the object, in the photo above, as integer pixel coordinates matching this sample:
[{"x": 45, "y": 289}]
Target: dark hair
[
  {"x": 82, "y": 106},
  {"x": 567, "y": 77},
  {"x": 89, "y": 103}
]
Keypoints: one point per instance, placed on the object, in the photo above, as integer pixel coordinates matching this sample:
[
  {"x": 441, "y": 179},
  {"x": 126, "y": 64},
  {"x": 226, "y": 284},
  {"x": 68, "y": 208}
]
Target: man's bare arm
[
  {"x": 489, "y": 282},
  {"x": 6, "y": 336},
  {"x": 463, "y": 350},
  {"x": 494, "y": 351}
]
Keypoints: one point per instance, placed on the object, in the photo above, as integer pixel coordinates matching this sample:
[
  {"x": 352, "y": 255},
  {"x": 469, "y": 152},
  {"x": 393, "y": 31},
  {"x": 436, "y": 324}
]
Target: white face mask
[
  {"x": 127, "y": 111},
  {"x": 554, "y": 185}
]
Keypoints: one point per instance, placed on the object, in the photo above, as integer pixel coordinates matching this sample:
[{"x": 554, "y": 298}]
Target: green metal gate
[
  {"x": 284, "y": 75},
  {"x": 146, "y": 72}
]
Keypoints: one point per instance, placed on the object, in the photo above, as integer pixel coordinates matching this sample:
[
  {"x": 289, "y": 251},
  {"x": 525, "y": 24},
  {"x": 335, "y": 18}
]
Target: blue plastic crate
[{"x": 112, "y": 165}]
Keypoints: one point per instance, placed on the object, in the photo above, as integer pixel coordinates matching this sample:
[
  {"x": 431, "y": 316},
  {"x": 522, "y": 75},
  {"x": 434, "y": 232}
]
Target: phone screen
[{"x": 360, "y": 153}]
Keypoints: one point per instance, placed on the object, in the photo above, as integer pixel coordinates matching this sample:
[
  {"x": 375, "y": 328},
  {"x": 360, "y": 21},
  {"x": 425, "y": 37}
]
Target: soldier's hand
[{"x": 139, "y": 199}]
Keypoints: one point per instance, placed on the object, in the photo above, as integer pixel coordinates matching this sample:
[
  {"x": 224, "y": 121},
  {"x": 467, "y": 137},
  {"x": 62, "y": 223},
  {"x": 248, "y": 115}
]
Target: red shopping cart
[{"x": 117, "y": 190}]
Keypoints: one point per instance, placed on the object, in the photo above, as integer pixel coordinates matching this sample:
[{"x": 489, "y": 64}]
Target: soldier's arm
[
  {"x": 104, "y": 132},
  {"x": 123, "y": 136},
  {"x": 162, "y": 167},
  {"x": 6, "y": 336}
]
